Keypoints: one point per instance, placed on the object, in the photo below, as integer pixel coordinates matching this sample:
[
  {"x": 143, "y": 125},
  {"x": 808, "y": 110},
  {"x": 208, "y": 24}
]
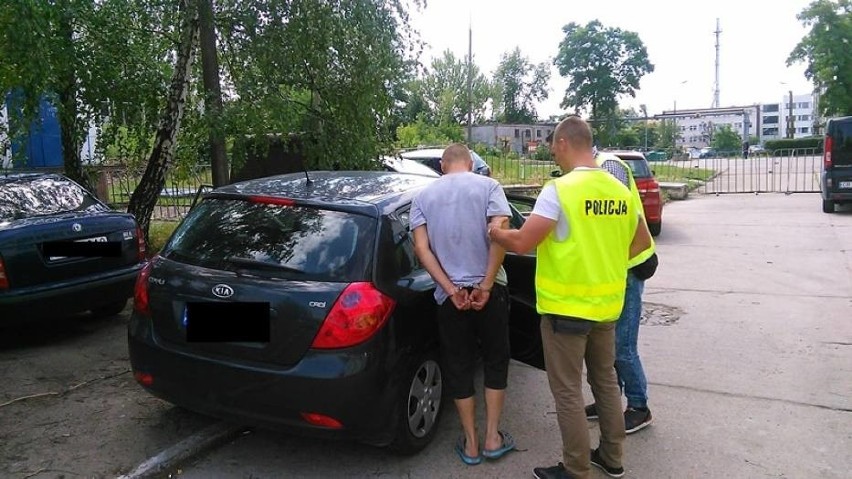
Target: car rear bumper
[
  {"x": 68, "y": 297},
  {"x": 352, "y": 387},
  {"x": 830, "y": 187},
  {"x": 653, "y": 208}
]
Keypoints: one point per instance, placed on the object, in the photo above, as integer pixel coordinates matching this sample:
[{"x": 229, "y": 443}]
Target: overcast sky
[{"x": 757, "y": 36}]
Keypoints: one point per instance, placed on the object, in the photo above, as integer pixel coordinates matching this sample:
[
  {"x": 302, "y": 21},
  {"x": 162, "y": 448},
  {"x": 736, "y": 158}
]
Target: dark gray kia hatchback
[{"x": 299, "y": 305}]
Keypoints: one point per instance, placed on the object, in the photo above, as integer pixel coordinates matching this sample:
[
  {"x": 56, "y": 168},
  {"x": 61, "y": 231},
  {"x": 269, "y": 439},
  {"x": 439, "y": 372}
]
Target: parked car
[
  {"x": 649, "y": 188},
  {"x": 431, "y": 157},
  {"x": 62, "y": 250},
  {"x": 756, "y": 149},
  {"x": 836, "y": 171},
  {"x": 402, "y": 165},
  {"x": 326, "y": 275},
  {"x": 707, "y": 153}
]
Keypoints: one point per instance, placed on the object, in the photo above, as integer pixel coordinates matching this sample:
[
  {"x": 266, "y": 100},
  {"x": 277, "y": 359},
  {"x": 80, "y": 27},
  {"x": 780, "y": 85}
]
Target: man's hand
[
  {"x": 461, "y": 299},
  {"x": 479, "y": 298}
]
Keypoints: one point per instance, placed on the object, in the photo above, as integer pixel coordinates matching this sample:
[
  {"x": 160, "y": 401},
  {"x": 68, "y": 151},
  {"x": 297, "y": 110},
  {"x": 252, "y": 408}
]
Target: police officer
[{"x": 585, "y": 227}]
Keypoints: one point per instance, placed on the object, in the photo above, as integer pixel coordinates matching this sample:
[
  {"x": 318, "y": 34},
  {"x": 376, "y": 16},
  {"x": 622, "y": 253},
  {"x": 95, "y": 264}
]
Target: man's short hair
[
  {"x": 456, "y": 152},
  {"x": 575, "y": 131}
]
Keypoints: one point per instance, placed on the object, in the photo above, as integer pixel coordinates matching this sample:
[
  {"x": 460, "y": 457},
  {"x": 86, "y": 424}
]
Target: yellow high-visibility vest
[
  {"x": 585, "y": 275},
  {"x": 634, "y": 191}
]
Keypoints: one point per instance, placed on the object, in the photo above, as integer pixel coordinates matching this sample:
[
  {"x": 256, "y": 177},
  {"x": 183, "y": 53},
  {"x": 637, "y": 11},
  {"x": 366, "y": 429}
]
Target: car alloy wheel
[{"x": 424, "y": 398}]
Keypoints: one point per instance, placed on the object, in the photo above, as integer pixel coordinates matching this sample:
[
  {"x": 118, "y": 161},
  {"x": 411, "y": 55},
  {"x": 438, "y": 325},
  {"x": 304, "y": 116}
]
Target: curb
[{"x": 193, "y": 445}]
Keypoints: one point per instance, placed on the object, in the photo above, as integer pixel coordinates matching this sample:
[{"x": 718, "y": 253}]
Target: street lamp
[
  {"x": 674, "y": 118},
  {"x": 791, "y": 128}
]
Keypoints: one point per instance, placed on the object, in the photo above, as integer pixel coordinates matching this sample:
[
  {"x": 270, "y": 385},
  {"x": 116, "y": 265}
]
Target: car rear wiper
[{"x": 250, "y": 262}]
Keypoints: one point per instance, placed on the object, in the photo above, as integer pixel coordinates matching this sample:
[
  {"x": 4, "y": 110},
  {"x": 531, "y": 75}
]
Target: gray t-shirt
[{"x": 456, "y": 208}]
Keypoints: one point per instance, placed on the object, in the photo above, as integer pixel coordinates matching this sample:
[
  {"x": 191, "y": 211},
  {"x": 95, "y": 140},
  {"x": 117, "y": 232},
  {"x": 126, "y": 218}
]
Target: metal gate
[{"x": 787, "y": 171}]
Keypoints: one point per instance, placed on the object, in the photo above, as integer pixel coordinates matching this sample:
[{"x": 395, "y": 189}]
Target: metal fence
[{"x": 782, "y": 171}]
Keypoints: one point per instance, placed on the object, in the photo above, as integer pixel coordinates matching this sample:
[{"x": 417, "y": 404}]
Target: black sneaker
[
  {"x": 555, "y": 472},
  {"x": 637, "y": 419},
  {"x": 591, "y": 412},
  {"x": 598, "y": 462}
]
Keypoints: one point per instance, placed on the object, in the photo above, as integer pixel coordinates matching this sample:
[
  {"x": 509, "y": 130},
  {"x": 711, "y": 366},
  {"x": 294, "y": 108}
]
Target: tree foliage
[
  {"x": 92, "y": 60},
  {"x": 825, "y": 49},
  {"x": 421, "y": 133},
  {"x": 601, "y": 64},
  {"x": 444, "y": 88},
  {"x": 725, "y": 139},
  {"x": 519, "y": 85}
]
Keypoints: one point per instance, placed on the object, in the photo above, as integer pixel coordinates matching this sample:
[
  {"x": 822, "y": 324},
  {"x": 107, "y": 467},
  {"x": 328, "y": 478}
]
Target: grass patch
[
  {"x": 159, "y": 233},
  {"x": 681, "y": 174},
  {"x": 519, "y": 171}
]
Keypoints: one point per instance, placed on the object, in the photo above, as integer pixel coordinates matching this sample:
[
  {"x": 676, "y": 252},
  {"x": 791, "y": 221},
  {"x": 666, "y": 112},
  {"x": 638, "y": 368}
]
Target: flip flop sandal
[
  {"x": 469, "y": 460},
  {"x": 507, "y": 445}
]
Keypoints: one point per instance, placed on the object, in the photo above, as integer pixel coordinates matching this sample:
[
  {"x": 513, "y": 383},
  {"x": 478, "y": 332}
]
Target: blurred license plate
[
  {"x": 95, "y": 239},
  {"x": 846, "y": 184}
]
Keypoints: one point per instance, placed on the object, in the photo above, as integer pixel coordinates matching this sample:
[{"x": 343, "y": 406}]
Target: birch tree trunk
[{"x": 145, "y": 196}]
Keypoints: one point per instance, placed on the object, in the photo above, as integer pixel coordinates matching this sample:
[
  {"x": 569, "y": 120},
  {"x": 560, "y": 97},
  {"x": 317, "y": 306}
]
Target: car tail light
[
  {"x": 4, "y": 280},
  {"x": 144, "y": 379},
  {"x": 271, "y": 200},
  {"x": 356, "y": 315},
  {"x": 141, "y": 248},
  {"x": 826, "y": 155},
  {"x": 140, "y": 292},
  {"x": 321, "y": 420}
]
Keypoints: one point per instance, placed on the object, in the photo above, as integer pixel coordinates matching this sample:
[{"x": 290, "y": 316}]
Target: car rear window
[
  {"x": 43, "y": 196},
  {"x": 295, "y": 242},
  {"x": 841, "y": 133},
  {"x": 638, "y": 165}
]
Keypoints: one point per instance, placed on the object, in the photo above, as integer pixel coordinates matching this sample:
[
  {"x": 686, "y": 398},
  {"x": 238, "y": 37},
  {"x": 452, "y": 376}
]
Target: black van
[{"x": 836, "y": 176}]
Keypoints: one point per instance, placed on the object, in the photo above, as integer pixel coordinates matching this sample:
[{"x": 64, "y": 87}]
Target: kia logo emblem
[
  {"x": 77, "y": 227},
  {"x": 223, "y": 291}
]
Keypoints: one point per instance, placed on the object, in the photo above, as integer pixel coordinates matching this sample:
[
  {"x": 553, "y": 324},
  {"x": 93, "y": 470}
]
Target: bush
[
  {"x": 811, "y": 142},
  {"x": 542, "y": 153}
]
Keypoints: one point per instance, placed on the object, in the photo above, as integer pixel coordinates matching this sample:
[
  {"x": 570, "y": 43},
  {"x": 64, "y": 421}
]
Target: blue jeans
[{"x": 631, "y": 376}]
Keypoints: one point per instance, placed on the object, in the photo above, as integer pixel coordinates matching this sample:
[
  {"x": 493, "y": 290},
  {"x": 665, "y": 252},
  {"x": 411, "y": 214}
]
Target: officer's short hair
[{"x": 575, "y": 131}]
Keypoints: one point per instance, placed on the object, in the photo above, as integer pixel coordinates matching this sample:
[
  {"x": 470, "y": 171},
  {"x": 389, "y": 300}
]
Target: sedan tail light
[
  {"x": 140, "y": 292},
  {"x": 356, "y": 315},
  {"x": 4, "y": 280},
  {"x": 826, "y": 155}
]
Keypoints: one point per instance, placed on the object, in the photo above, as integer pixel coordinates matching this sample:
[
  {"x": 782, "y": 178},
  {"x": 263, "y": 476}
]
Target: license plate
[
  {"x": 846, "y": 184},
  {"x": 95, "y": 239}
]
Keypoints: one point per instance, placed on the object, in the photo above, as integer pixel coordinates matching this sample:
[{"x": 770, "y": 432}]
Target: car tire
[
  {"x": 420, "y": 406},
  {"x": 110, "y": 309},
  {"x": 655, "y": 228},
  {"x": 827, "y": 206}
]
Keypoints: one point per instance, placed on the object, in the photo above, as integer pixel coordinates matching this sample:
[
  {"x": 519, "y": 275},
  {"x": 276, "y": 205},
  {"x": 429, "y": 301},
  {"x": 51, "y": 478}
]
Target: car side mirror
[
  {"x": 653, "y": 172},
  {"x": 556, "y": 173}
]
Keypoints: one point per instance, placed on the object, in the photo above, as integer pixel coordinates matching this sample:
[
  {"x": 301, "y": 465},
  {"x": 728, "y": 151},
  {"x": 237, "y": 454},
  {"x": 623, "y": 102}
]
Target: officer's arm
[
  {"x": 534, "y": 230},
  {"x": 430, "y": 261},
  {"x": 641, "y": 239}
]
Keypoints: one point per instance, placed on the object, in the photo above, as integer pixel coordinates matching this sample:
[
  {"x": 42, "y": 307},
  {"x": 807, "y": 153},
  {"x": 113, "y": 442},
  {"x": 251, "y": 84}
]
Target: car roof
[
  {"x": 7, "y": 177},
  {"x": 406, "y": 165},
  {"x": 629, "y": 154},
  {"x": 423, "y": 153},
  {"x": 367, "y": 192}
]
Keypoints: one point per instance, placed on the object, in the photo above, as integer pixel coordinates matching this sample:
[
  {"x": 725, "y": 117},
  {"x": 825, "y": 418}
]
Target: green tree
[
  {"x": 601, "y": 64},
  {"x": 825, "y": 49},
  {"x": 92, "y": 60},
  {"x": 444, "y": 88},
  {"x": 725, "y": 139},
  {"x": 667, "y": 132},
  {"x": 519, "y": 85},
  {"x": 421, "y": 133}
]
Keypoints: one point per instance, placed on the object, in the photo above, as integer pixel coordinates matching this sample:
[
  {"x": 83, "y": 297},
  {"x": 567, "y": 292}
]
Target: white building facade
[
  {"x": 695, "y": 127},
  {"x": 776, "y": 118}
]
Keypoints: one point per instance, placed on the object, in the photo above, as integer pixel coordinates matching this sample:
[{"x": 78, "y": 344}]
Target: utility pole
[
  {"x": 791, "y": 129},
  {"x": 716, "y": 84},
  {"x": 645, "y": 114},
  {"x": 470, "y": 82}
]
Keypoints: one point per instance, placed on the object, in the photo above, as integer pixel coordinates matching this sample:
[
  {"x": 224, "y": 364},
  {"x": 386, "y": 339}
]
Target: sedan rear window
[
  {"x": 639, "y": 167},
  {"x": 42, "y": 196},
  {"x": 294, "y": 242}
]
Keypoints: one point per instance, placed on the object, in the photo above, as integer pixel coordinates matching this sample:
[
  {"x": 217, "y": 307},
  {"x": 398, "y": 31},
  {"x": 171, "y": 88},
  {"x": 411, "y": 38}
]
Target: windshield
[
  {"x": 43, "y": 196},
  {"x": 282, "y": 241}
]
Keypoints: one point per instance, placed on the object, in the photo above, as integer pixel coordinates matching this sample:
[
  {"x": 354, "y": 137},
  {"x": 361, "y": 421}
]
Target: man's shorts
[{"x": 462, "y": 333}]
